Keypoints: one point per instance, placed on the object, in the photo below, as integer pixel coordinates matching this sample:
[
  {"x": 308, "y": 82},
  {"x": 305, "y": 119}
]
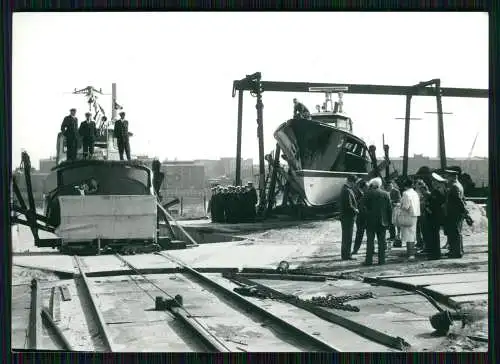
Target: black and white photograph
[{"x": 250, "y": 181}]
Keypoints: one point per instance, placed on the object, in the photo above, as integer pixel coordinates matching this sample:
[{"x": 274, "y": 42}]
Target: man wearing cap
[
  {"x": 69, "y": 128},
  {"x": 456, "y": 211},
  {"x": 348, "y": 210},
  {"x": 299, "y": 110},
  {"x": 87, "y": 132},
  {"x": 121, "y": 134},
  {"x": 436, "y": 215}
]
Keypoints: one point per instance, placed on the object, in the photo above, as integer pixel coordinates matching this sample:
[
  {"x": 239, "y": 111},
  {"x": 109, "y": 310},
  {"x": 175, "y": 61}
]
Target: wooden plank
[
  {"x": 459, "y": 289},
  {"x": 441, "y": 279},
  {"x": 53, "y": 263},
  {"x": 55, "y": 304},
  {"x": 425, "y": 274},
  {"x": 66, "y": 295}
]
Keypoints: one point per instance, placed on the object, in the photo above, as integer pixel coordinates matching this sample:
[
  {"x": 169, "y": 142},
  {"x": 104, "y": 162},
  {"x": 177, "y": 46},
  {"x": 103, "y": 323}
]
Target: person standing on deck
[
  {"x": 122, "y": 136},
  {"x": 87, "y": 132},
  {"x": 348, "y": 210},
  {"x": 377, "y": 204},
  {"x": 299, "y": 110},
  {"x": 69, "y": 129},
  {"x": 360, "y": 191}
]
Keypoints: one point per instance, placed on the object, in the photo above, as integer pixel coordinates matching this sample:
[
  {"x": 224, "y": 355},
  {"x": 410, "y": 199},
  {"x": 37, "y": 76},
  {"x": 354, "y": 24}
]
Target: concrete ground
[{"x": 315, "y": 246}]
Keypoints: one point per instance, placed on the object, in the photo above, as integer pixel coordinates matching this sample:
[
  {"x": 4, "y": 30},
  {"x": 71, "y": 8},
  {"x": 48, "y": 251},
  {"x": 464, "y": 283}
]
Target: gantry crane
[{"x": 256, "y": 86}]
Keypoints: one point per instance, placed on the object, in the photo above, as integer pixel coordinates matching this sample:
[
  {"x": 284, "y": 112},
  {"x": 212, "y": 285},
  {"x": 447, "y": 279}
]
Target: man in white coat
[{"x": 410, "y": 207}]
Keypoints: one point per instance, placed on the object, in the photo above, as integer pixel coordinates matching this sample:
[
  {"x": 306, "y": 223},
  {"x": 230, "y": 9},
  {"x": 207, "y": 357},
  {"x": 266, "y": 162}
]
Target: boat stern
[{"x": 108, "y": 218}]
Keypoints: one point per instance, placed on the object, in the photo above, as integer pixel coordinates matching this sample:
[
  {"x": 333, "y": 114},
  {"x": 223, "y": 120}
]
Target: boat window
[{"x": 342, "y": 123}]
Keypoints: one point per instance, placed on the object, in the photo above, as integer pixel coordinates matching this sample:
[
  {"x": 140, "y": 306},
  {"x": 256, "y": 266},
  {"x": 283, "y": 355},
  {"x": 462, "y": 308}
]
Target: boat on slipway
[
  {"x": 322, "y": 150},
  {"x": 102, "y": 201}
]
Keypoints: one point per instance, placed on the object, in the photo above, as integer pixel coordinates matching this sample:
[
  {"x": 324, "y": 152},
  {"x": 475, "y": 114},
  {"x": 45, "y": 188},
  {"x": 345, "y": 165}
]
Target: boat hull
[
  {"x": 321, "y": 188},
  {"x": 111, "y": 178},
  {"x": 320, "y": 157}
]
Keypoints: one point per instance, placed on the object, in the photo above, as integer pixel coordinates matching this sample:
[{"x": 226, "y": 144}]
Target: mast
[{"x": 113, "y": 101}]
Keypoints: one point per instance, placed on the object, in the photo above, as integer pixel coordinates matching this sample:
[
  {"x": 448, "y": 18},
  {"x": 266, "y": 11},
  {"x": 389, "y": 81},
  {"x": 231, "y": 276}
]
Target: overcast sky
[{"x": 174, "y": 74}]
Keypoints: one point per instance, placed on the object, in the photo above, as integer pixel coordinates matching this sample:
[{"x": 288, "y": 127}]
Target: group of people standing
[
  {"x": 88, "y": 133},
  {"x": 414, "y": 217},
  {"x": 233, "y": 204}
]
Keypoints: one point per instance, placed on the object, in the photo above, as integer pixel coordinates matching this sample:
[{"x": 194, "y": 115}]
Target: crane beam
[{"x": 417, "y": 90}]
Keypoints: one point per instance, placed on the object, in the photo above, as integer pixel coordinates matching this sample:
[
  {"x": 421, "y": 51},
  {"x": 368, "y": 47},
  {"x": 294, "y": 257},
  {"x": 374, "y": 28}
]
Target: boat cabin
[{"x": 338, "y": 120}]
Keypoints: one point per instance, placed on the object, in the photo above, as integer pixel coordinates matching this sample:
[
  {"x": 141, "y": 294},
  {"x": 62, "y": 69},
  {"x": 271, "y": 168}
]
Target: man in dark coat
[
  {"x": 253, "y": 200},
  {"x": 434, "y": 209},
  {"x": 299, "y": 110},
  {"x": 88, "y": 133},
  {"x": 377, "y": 204},
  {"x": 212, "y": 205},
  {"x": 360, "y": 191},
  {"x": 456, "y": 211},
  {"x": 348, "y": 210},
  {"x": 395, "y": 196},
  {"x": 69, "y": 128},
  {"x": 121, "y": 134}
]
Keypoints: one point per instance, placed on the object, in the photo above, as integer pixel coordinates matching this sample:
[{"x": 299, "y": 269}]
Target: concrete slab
[
  {"x": 101, "y": 263},
  {"x": 146, "y": 261},
  {"x": 122, "y": 301},
  {"x": 343, "y": 339},
  {"x": 441, "y": 279},
  {"x": 396, "y": 314},
  {"x": 240, "y": 254},
  {"x": 389, "y": 275},
  {"x": 461, "y": 289},
  {"x": 77, "y": 321},
  {"x": 58, "y": 263},
  {"x": 151, "y": 337},
  {"x": 468, "y": 298},
  {"x": 21, "y": 299}
]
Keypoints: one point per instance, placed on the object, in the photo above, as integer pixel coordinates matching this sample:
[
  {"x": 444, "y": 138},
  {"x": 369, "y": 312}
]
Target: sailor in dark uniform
[
  {"x": 69, "y": 128},
  {"x": 456, "y": 212},
  {"x": 229, "y": 205},
  {"x": 253, "y": 200},
  {"x": 212, "y": 205},
  {"x": 300, "y": 111},
  {"x": 122, "y": 136},
  {"x": 220, "y": 208},
  {"x": 87, "y": 132}
]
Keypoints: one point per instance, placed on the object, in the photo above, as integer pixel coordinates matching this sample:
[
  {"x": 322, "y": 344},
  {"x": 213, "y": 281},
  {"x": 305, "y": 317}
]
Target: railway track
[{"x": 184, "y": 311}]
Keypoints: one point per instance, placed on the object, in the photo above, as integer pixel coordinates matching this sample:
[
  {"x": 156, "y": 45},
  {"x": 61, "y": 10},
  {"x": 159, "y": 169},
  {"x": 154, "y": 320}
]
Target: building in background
[
  {"x": 47, "y": 164},
  {"x": 224, "y": 170},
  {"x": 192, "y": 179}
]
